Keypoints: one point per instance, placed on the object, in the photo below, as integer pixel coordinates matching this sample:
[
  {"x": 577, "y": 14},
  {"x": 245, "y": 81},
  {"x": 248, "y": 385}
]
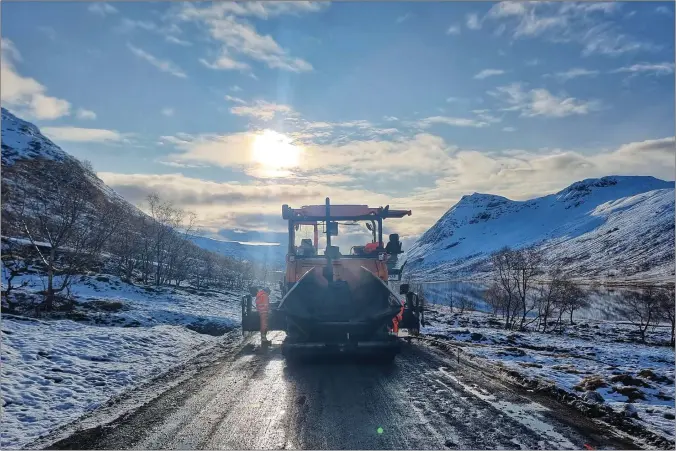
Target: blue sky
[{"x": 233, "y": 109}]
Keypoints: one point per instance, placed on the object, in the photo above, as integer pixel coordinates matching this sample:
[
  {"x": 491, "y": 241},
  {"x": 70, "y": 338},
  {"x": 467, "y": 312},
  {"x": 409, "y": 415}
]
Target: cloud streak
[
  {"x": 540, "y": 102},
  {"x": 77, "y": 134},
  {"x": 585, "y": 24},
  {"x": 488, "y": 73},
  {"x": 573, "y": 73},
  {"x": 163, "y": 65},
  {"x": 102, "y": 9},
  {"x": 239, "y": 38}
]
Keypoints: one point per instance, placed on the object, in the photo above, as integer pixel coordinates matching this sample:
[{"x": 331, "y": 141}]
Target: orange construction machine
[{"x": 340, "y": 302}]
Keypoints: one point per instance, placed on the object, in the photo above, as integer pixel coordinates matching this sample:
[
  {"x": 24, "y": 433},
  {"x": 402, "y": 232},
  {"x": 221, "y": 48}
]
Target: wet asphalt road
[{"x": 425, "y": 400}]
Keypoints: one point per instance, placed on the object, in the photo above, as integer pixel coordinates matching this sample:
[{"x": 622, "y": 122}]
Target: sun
[{"x": 273, "y": 151}]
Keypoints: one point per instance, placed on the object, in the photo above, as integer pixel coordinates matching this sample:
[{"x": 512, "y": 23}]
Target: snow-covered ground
[
  {"x": 595, "y": 359},
  {"x": 118, "y": 336}
]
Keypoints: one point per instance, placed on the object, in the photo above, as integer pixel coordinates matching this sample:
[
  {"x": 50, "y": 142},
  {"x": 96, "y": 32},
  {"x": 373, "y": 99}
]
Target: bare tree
[
  {"x": 504, "y": 284},
  {"x": 641, "y": 308},
  {"x": 449, "y": 299},
  {"x": 493, "y": 296},
  {"x": 574, "y": 297},
  {"x": 666, "y": 306},
  {"x": 465, "y": 303},
  {"x": 51, "y": 211},
  {"x": 13, "y": 265},
  {"x": 526, "y": 267}
]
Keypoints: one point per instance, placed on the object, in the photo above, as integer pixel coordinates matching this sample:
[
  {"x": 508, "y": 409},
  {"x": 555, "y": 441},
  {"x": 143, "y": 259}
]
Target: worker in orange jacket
[
  {"x": 397, "y": 319},
  {"x": 263, "y": 307}
]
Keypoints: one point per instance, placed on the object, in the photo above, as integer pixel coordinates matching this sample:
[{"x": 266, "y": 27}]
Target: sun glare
[{"x": 273, "y": 150}]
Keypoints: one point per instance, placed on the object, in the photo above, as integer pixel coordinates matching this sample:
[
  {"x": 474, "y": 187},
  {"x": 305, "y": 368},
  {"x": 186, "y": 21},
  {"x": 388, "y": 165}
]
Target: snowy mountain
[
  {"x": 272, "y": 254},
  {"x": 619, "y": 227},
  {"x": 23, "y": 142}
]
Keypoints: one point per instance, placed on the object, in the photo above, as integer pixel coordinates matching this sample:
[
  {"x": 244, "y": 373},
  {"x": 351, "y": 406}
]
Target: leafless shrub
[
  {"x": 514, "y": 277},
  {"x": 641, "y": 308}
]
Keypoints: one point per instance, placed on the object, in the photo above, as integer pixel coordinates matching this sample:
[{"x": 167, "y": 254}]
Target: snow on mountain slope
[
  {"x": 22, "y": 140},
  {"x": 272, "y": 254},
  {"x": 617, "y": 226}
]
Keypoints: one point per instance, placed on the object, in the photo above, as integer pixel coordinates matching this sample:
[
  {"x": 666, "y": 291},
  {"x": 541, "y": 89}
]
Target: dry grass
[
  {"x": 628, "y": 380},
  {"x": 633, "y": 393},
  {"x": 591, "y": 383}
]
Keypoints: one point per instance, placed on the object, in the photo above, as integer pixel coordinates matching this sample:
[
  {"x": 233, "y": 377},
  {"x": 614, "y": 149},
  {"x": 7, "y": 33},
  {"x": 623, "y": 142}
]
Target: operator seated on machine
[
  {"x": 393, "y": 249},
  {"x": 306, "y": 248}
]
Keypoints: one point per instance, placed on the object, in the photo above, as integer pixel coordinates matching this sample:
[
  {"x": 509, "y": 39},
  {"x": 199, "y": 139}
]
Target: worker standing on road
[
  {"x": 263, "y": 307},
  {"x": 397, "y": 319}
]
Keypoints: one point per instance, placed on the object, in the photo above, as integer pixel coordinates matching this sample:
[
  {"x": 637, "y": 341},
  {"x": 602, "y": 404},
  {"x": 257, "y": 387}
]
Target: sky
[{"x": 232, "y": 109}]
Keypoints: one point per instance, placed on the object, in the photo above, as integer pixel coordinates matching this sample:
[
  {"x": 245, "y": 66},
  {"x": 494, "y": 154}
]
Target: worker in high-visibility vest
[
  {"x": 263, "y": 307},
  {"x": 397, "y": 319}
]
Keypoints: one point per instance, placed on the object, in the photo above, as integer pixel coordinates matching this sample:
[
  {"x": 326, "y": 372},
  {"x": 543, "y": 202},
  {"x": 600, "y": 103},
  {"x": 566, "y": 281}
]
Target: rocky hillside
[
  {"x": 618, "y": 227},
  {"x": 54, "y": 200}
]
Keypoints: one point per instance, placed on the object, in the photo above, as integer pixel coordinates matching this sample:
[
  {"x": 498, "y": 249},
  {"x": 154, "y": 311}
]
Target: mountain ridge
[{"x": 459, "y": 244}]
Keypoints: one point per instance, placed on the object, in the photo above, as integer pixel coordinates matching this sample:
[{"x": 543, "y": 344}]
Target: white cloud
[
  {"x": 665, "y": 68},
  {"x": 262, "y": 110},
  {"x": 85, "y": 114},
  {"x": 485, "y": 116},
  {"x": 9, "y": 50},
  {"x": 453, "y": 29},
  {"x": 253, "y": 206},
  {"x": 76, "y": 134},
  {"x": 585, "y": 24},
  {"x": 163, "y": 65},
  {"x": 235, "y": 100},
  {"x": 540, "y": 102},
  {"x": 167, "y": 112},
  {"x": 488, "y": 73},
  {"x": 236, "y": 88},
  {"x": 177, "y": 41},
  {"x": 261, "y": 10},
  {"x": 241, "y": 38},
  {"x": 473, "y": 22},
  {"x": 508, "y": 129},
  {"x": 453, "y": 121},
  {"x": 523, "y": 175},
  {"x": 574, "y": 73},
  {"x": 224, "y": 62},
  {"x": 101, "y": 9},
  {"x": 24, "y": 94},
  {"x": 517, "y": 174}
]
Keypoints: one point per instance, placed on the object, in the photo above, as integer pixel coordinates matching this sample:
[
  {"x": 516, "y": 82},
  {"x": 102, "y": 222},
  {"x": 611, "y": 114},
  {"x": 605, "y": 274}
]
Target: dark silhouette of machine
[{"x": 336, "y": 303}]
